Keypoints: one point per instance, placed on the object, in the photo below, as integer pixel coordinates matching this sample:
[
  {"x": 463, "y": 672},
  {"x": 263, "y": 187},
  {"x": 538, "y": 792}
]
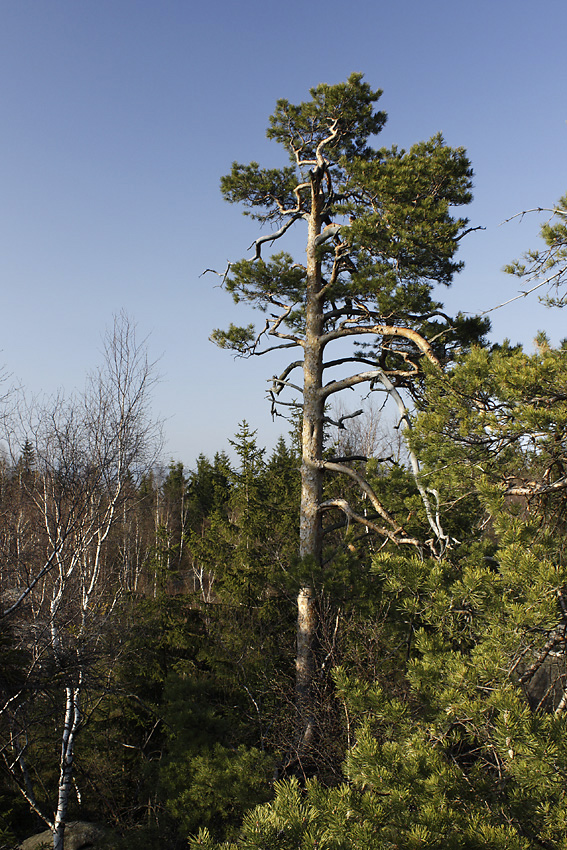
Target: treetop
[{"x": 340, "y": 117}]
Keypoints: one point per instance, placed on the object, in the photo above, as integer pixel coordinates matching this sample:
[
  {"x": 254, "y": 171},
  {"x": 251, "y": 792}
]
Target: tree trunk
[
  {"x": 72, "y": 720},
  {"x": 311, "y": 475}
]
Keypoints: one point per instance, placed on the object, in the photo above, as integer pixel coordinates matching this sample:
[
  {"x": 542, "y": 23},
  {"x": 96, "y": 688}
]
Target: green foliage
[
  {"x": 208, "y": 488},
  {"x": 442, "y": 684},
  {"x": 7, "y": 837},
  {"x": 257, "y": 186},
  {"x": 214, "y": 788},
  {"x": 409, "y": 194},
  {"x": 494, "y": 430},
  {"x": 347, "y": 107},
  {"x": 213, "y": 664},
  {"x": 464, "y": 747},
  {"x": 461, "y": 759},
  {"x": 250, "y": 538},
  {"x": 235, "y": 338},
  {"x": 389, "y": 208}
]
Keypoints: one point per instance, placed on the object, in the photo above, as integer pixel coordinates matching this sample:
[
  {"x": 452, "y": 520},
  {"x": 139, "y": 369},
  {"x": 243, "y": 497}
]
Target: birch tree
[
  {"x": 86, "y": 451},
  {"x": 380, "y": 236}
]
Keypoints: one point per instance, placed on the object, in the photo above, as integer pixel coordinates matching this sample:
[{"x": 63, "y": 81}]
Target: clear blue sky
[{"x": 118, "y": 118}]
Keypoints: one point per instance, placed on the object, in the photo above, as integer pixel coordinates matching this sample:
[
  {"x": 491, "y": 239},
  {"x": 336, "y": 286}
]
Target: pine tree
[
  {"x": 471, "y": 751},
  {"x": 380, "y": 236}
]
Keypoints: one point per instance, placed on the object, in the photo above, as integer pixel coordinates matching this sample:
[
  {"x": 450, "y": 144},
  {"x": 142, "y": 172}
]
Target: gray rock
[{"x": 78, "y": 836}]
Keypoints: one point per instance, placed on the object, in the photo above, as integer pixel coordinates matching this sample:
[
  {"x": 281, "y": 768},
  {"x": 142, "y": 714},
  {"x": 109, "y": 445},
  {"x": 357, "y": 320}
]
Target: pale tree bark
[
  {"x": 310, "y": 530},
  {"x": 89, "y": 454},
  {"x": 70, "y": 729}
]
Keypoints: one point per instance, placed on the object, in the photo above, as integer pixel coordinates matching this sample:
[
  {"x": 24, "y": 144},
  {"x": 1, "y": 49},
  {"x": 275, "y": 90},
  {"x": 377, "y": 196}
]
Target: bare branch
[
  {"x": 468, "y": 230},
  {"x": 223, "y": 275},
  {"x": 432, "y": 517},
  {"x": 274, "y": 331},
  {"x": 280, "y": 380},
  {"x": 333, "y": 133},
  {"x": 551, "y": 210},
  {"x": 534, "y": 488},
  {"x": 365, "y": 487},
  {"x": 340, "y": 422},
  {"x": 328, "y": 232},
  {"x": 354, "y": 459},
  {"x": 524, "y": 293},
  {"x": 386, "y": 533},
  {"x": 281, "y": 384},
  {"x": 341, "y": 360},
  {"x": 384, "y": 330},
  {"x": 346, "y": 383},
  {"x": 278, "y": 347},
  {"x": 271, "y": 237}
]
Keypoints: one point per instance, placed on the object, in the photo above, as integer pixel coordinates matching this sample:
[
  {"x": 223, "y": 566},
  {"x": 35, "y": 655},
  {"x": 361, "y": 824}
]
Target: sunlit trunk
[{"x": 311, "y": 479}]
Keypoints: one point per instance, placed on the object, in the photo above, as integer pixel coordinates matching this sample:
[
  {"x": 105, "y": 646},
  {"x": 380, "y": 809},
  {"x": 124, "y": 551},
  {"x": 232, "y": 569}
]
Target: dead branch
[
  {"x": 281, "y": 379},
  {"x": 222, "y": 275},
  {"x": 433, "y": 518},
  {"x": 271, "y": 237},
  {"x": 365, "y": 487},
  {"x": 340, "y": 422},
  {"x": 468, "y": 230},
  {"x": 384, "y": 330},
  {"x": 524, "y": 293},
  {"x": 386, "y": 533},
  {"x": 550, "y": 210},
  {"x": 534, "y": 488}
]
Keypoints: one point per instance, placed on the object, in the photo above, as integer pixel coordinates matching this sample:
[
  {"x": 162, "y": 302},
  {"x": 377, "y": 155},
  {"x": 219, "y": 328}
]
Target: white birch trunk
[{"x": 72, "y": 721}]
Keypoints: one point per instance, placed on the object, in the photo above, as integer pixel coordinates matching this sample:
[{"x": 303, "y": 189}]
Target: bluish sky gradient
[{"x": 118, "y": 118}]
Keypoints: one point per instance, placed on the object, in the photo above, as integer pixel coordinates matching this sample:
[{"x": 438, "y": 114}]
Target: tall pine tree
[{"x": 379, "y": 237}]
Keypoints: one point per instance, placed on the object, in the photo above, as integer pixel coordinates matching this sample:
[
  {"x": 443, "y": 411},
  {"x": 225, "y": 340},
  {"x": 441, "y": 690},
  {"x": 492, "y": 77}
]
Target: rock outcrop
[{"x": 79, "y": 835}]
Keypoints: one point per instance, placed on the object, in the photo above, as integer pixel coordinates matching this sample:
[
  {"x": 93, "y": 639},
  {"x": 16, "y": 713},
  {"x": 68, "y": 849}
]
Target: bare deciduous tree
[{"x": 83, "y": 456}]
